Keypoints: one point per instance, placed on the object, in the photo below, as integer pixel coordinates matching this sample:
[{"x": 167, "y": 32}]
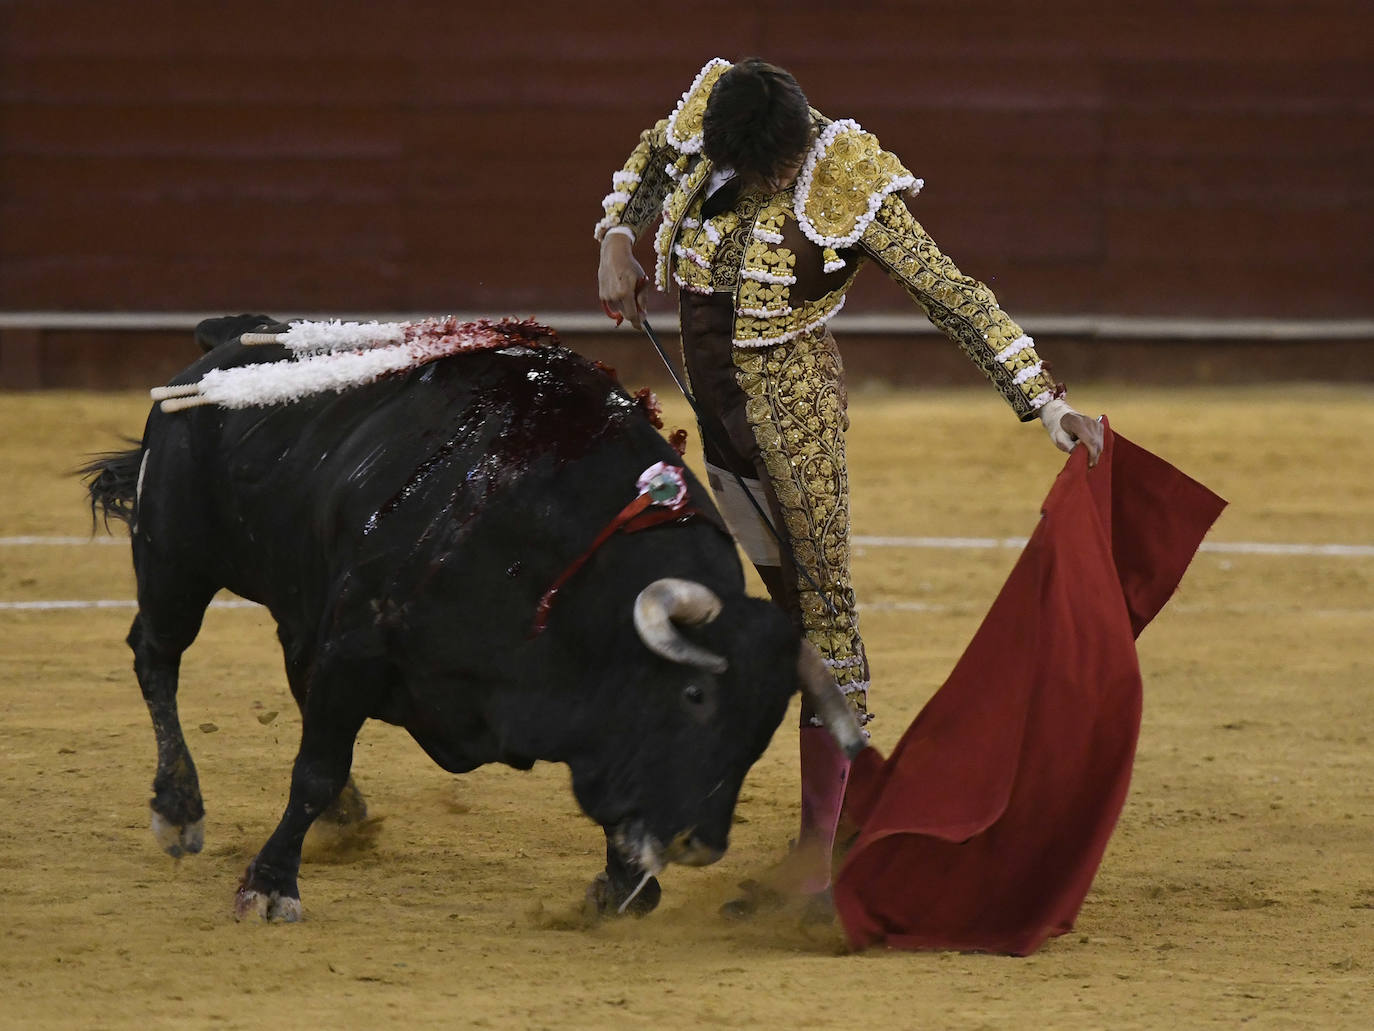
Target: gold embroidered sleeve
[
  {"x": 638, "y": 189},
  {"x": 961, "y": 307}
]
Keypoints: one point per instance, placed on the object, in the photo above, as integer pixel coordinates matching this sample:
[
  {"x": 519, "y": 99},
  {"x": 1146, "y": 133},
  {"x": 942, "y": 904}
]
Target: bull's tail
[{"x": 112, "y": 482}]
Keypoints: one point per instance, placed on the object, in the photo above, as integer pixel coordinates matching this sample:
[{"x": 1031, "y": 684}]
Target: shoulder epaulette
[
  {"x": 684, "y": 124},
  {"x": 843, "y": 181}
]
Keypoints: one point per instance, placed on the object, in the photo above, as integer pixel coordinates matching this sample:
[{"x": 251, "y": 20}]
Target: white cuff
[
  {"x": 1050, "y": 414},
  {"x": 619, "y": 229}
]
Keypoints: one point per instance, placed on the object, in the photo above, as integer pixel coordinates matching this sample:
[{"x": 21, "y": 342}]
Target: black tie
[{"x": 723, "y": 199}]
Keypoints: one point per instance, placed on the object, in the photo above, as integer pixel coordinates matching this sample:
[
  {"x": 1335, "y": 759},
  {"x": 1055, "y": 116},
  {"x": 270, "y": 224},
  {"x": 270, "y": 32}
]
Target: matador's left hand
[
  {"x": 1082, "y": 430},
  {"x": 1068, "y": 428}
]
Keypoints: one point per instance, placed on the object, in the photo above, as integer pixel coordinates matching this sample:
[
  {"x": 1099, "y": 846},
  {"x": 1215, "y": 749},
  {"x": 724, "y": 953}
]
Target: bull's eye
[{"x": 699, "y": 702}]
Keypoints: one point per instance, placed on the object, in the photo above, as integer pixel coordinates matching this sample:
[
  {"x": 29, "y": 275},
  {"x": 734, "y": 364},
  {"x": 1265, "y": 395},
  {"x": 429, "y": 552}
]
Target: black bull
[{"x": 402, "y": 535}]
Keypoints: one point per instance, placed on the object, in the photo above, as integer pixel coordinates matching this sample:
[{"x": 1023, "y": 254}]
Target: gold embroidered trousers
[{"x": 776, "y": 416}]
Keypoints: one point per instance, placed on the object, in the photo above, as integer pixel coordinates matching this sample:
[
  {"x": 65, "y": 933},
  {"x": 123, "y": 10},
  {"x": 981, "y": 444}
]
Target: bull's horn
[
  {"x": 668, "y": 601},
  {"x": 826, "y": 699}
]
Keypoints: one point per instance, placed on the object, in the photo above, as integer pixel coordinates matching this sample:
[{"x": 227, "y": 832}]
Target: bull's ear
[
  {"x": 827, "y": 701},
  {"x": 211, "y": 333}
]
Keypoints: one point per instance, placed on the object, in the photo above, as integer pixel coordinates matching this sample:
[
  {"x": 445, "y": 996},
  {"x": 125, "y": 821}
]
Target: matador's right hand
[{"x": 620, "y": 278}]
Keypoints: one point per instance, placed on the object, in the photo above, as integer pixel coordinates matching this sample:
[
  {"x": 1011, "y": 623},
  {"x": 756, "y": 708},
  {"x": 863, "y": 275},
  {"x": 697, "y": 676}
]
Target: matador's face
[{"x": 785, "y": 175}]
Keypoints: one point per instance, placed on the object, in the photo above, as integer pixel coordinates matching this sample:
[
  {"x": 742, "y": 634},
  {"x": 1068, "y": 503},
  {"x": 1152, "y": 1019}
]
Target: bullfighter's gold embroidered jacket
[{"x": 789, "y": 258}]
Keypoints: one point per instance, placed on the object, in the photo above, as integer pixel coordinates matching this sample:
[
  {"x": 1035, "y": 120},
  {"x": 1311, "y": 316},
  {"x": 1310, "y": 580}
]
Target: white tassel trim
[
  {"x": 1042, "y": 398},
  {"x": 844, "y": 663},
  {"x": 783, "y": 338},
  {"x": 759, "y": 276},
  {"x": 833, "y": 266},
  {"x": 661, "y": 249},
  {"x": 623, "y": 178},
  {"x": 612, "y": 219},
  {"x": 691, "y": 255},
  {"x": 767, "y": 313},
  {"x": 1014, "y": 348},
  {"x": 897, "y": 183},
  {"x": 691, "y": 288},
  {"x": 692, "y": 144},
  {"x": 863, "y": 718},
  {"x": 1027, "y": 373},
  {"x": 766, "y": 235}
]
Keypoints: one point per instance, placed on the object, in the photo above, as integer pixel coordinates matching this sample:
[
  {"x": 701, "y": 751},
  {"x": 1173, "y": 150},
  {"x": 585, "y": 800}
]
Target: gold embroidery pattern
[
  {"x": 729, "y": 258},
  {"x": 757, "y": 295},
  {"x": 758, "y": 331},
  {"x": 646, "y": 202},
  {"x": 845, "y": 178},
  {"x": 684, "y": 126},
  {"x": 674, "y": 211},
  {"x": 963, "y": 308},
  {"x": 795, "y": 404},
  {"x": 698, "y": 243},
  {"x": 766, "y": 284},
  {"x": 639, "y": 187},
  {"x": 774, "y": 216}
]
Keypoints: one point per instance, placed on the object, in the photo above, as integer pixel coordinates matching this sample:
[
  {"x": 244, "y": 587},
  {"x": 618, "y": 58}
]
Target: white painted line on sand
[
  {"x": 1220, "y": 547},
  {"x": 58, "y": 605},
  {"x": 1289, "y": 611},
  {"x": 938, "y": 543},
  {"x": 106, "y": 603},
  {"x": 58, "y": 542}
]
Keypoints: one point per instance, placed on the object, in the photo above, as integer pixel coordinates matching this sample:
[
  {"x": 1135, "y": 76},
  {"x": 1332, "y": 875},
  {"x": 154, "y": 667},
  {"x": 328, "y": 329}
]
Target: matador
[{"x": 766, "y": 211}]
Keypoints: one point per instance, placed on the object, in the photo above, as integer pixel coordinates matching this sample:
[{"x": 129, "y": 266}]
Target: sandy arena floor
[{"x": 1239, "y": 888}]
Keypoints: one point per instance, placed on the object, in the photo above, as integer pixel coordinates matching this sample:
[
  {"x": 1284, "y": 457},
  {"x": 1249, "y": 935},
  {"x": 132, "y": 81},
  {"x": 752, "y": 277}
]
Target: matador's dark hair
[{"x": 757, "y": 121}]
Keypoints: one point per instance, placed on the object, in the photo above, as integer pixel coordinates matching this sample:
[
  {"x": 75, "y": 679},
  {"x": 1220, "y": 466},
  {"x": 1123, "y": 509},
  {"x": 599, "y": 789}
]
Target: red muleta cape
[{"x": 985, "y": 827}]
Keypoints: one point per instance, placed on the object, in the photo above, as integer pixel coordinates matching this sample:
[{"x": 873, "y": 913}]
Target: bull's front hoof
[
  {"x": 607, "y": 899},
  {"x": 270, "y": 908},
  {"x": 176, "y": 839},
  {"x": 263, "y": 892}
]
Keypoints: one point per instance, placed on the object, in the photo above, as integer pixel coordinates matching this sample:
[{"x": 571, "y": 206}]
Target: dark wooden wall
[{"x": 1181, "y": 157}]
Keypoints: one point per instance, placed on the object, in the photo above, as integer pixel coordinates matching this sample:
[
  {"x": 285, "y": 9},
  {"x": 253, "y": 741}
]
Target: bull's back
[{"x": 363, "y": 491}]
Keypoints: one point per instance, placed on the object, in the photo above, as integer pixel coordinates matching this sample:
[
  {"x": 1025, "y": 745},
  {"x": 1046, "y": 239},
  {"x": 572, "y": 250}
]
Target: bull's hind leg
[
  {"x": 337, "y": 704},
  {"x": 158, "y": 637}
]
